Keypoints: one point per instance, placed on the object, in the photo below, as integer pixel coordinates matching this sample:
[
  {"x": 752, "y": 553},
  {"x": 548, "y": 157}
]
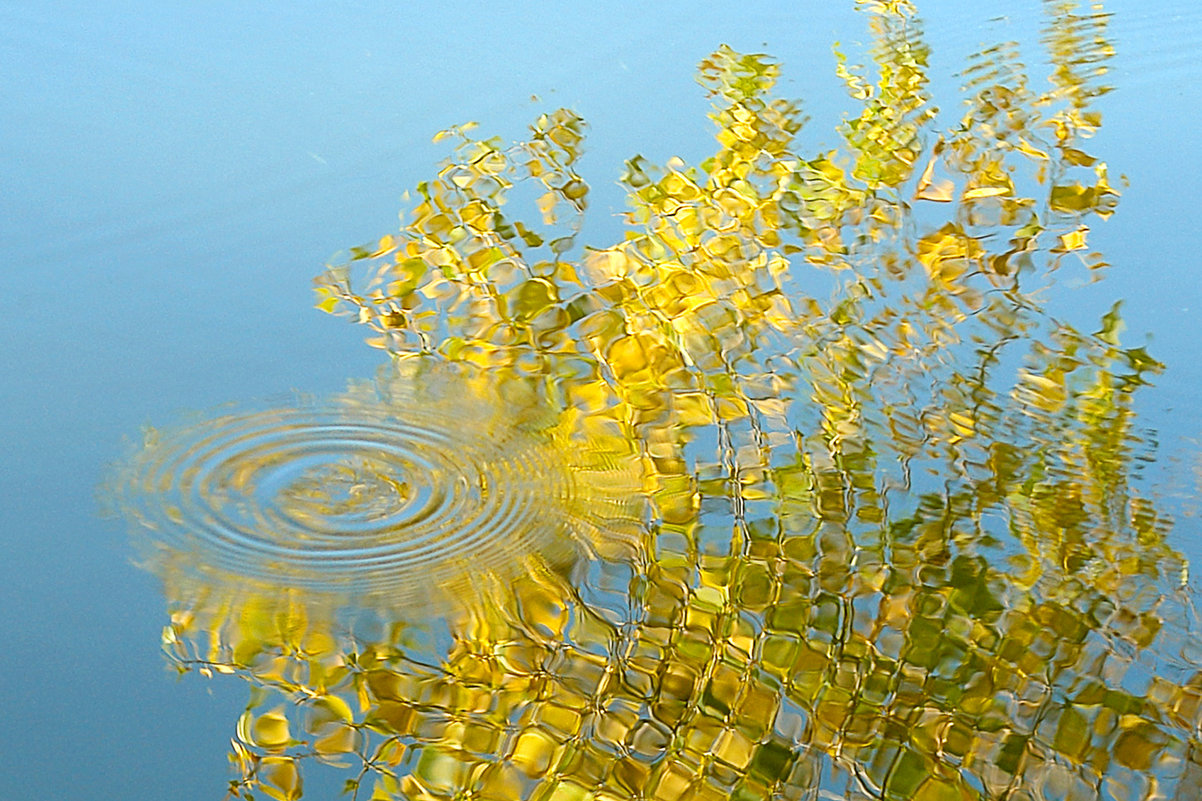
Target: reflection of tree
[{"x": 878, "y": 565}]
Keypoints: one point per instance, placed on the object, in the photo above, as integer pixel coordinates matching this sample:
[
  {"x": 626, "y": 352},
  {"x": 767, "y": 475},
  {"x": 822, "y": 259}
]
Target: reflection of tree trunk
[{"x": 1189, "y": 786}]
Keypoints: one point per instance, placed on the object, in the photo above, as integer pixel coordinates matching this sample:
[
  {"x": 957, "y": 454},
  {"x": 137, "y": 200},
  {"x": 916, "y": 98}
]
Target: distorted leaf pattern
[{"x": 894, "y": 548}]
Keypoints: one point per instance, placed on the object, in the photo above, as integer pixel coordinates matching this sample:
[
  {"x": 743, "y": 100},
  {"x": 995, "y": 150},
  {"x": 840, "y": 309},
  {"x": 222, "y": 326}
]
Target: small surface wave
[{"x": 393, "y": 499}]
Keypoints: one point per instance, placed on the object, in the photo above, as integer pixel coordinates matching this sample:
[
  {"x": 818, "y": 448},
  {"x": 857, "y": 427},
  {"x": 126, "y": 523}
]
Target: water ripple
[{"x": 390, "y": 498}]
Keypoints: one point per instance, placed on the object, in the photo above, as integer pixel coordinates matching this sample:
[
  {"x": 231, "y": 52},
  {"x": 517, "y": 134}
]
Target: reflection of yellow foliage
[{"x": 876, "y": 561}]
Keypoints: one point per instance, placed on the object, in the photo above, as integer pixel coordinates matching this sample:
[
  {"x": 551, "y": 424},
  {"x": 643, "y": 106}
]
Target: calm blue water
[{"x": 173, "y": 175}]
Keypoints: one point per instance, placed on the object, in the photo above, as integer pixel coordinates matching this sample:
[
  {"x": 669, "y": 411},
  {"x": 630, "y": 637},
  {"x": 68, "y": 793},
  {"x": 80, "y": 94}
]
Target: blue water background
[{"x": 173, "y": 175}]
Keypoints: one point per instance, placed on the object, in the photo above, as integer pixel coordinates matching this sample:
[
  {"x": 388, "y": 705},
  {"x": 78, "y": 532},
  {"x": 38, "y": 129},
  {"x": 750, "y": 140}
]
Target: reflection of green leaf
[
  {"x": 908, "y": 771},
  {"x": 1073, "y": 198},
  {"x": 1112, "y": 326},
  {"x": 1072, "y": 733}
]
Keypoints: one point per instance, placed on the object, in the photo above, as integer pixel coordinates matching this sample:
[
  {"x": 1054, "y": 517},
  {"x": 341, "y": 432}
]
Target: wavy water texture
[
  {"x": 894, "y": 546},
  {"x": 404, "y": 490}
]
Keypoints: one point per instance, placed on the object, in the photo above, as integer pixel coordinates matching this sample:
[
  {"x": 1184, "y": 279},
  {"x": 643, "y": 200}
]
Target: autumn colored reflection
[{"x": 892, "y": 548}]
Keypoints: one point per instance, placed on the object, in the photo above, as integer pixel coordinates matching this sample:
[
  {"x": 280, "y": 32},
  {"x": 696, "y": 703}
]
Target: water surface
[{"x": 897, "y": 515}]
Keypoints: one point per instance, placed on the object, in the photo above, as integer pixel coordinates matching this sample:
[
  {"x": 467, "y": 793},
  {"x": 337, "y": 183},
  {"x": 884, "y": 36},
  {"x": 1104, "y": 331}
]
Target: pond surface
[{"x": 853, "y": 459}]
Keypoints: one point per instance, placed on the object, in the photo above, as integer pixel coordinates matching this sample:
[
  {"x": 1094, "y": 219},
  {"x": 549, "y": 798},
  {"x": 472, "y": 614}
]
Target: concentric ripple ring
[{"x": 384, "y": 500}]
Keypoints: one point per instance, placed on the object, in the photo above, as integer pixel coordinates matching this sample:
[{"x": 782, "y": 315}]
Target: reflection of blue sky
[{"x": 174, "y": 174}]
